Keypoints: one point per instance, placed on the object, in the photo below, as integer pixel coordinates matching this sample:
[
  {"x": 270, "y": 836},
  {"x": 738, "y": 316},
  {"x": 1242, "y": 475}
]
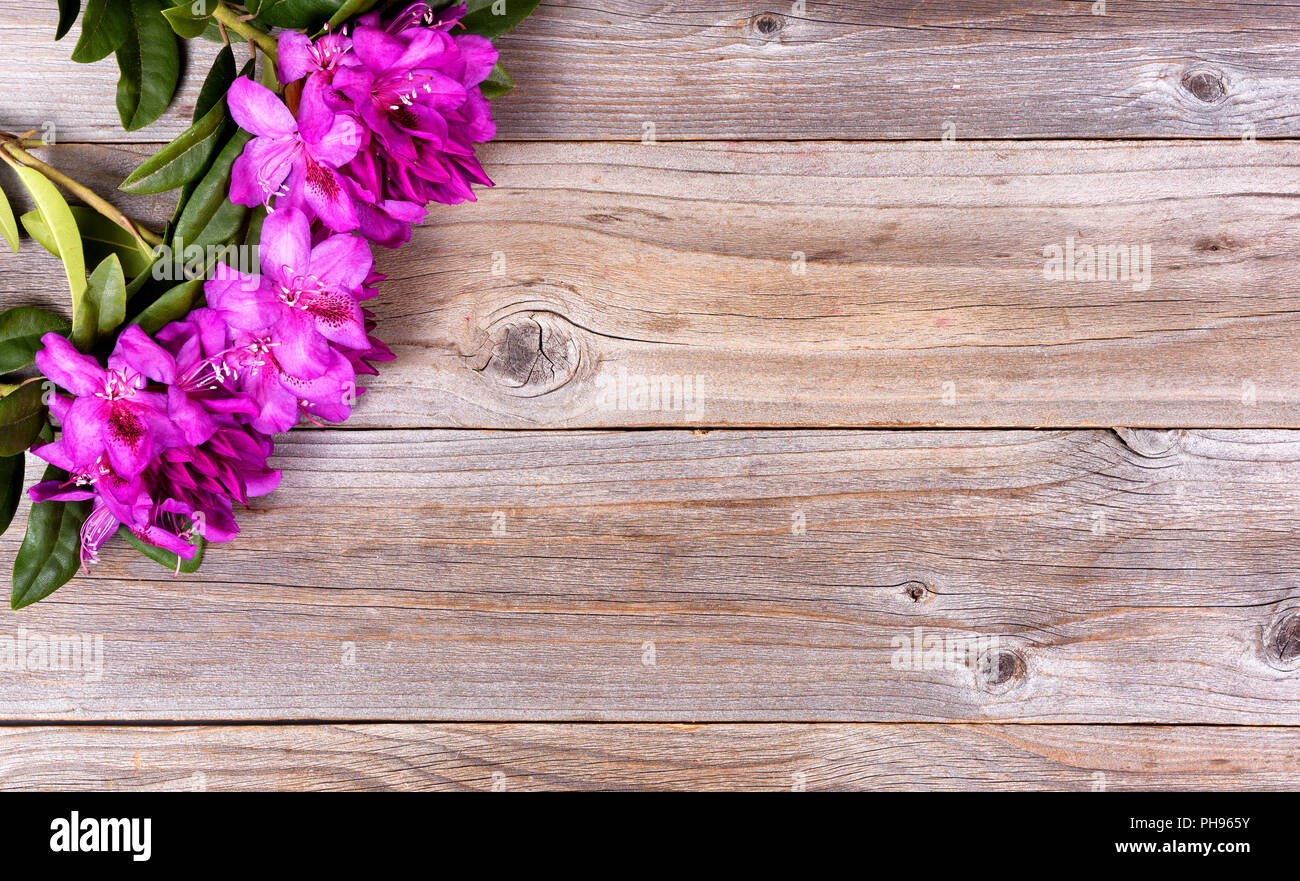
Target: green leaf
[
  {"x": 58, "y": 219},
  {"x": 104, "y": 307},
  {"x": 21, "y": 329},
  {"x": 302, "y": 15},
  {"x": 104, "y": 27},
  {"x": 99, "y": 237},
  {"x": 217, "y": 83},
  {"x": 253, "y": 234},
  {"x": 206, "y": 214},
  {"x": 135, "y": 285},
  {"x": 164, "y": 557},
  {"x": 22, "y": 416},
  {"x": 184, "y": 21},
  {"x": 215, "y": 88},
  {"x": 8, "y": 226},
  {"x": 11, "y": 488},
  {"x": 183, "y": 159},
  {"x": 51, "y": 549},
  {"x": 68, "y": 12},
  {"x": 350, "y": 10},
  {"x": 173, "y": 305},
  {"x": 149, "y": 61},
  {"x": 497, "y": 83},
  {"x": 481, "y": 16}
]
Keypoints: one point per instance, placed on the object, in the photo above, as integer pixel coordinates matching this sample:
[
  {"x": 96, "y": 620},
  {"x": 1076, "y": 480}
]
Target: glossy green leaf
[
  {"x": 21, "y": 329},
  {"x": 302, "y": 15},
  {"x": 149, "y": 64},
  {"x": 58, "y": 219},
  {"x": 143, "y": 282},
  {"x": 22, "y": 416},
  {"x": 68, "y": 12},
  {"x": 99, "y": 238},
  {"x": 185, "y": 26},
  {"x": 183, "y": 159},
  {"x": 8, "y": 226},
  {"x": 174, "y": 305},
  {"x": 164, "y": 557},
  {"x": 11, "y": 488},
  {"x": 205, "y": 214},
  {"x": 104, "y": 27},
  {"x": 51, "y": 549},
  {"x": 215, "y": 88},
  {"x": 497, "y": 83},
  {"x": 350, "y": 10},
  {"x": 191, "y": 18},
  {"x": 253, "y": 232},
  {"x": 104, "y": 306},
  {"x": 217, "y": 83},
  {"x": 492, "y": 18}
]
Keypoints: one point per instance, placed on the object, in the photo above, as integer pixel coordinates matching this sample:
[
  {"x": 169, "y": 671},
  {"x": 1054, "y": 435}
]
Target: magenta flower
[
  {"x": 307, "y": 296},
  {"x": 113, "y": 415},
  {"x": 294, "y": 158},
  {"x": 191, "y": 455},
  {"x": 292, "y": 329},
  {"x": 299, "y": 56}
]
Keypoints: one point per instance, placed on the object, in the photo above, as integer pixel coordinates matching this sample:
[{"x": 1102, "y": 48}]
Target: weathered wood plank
[
  {"x": 730, "y": 576},
  {"x": 592, "y": 271},
  {"x": 531, "y": 757},
  {"x": 705, "y": 69}
]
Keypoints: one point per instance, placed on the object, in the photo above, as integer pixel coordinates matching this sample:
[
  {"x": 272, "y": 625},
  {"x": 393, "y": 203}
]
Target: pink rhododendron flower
[{"x": 294, "y": 158}]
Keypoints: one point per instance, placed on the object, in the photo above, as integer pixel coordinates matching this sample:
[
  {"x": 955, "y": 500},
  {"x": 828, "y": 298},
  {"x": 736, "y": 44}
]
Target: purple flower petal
[
  {"x": 137, "y": 350},
  {"x": 61, "y": 362},
  {"x": 343, "y": 262},
  {"x": 295, "y": 56},
  {"x": 256, "y": 109},
  {"x": 285, "y": 248}
]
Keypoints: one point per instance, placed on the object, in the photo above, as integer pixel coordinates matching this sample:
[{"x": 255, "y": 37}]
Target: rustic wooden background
[{"x": 918, "y": 431}]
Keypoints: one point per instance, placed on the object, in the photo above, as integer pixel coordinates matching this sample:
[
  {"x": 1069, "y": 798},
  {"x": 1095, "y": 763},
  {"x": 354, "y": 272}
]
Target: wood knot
[
  {"x": 1152, "y": 443},
  {"x": 917, "y": 591},
  {"x": 531, "y": 353},
  {"x": 1205, "y": 84},
  {"x": 1209, "y": 244},
  {"x": 767, "y": 25},
  {"x": 1282, "y": 642},
  {"x": 999, "y": 669}
]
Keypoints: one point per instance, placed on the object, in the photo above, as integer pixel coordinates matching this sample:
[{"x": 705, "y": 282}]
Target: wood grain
[
  {"x": 592, "y": 270},
  {"x": 704, "y": 69},
  {"x": 512, "y": 758},
  {"x": 731, "y": 576}
]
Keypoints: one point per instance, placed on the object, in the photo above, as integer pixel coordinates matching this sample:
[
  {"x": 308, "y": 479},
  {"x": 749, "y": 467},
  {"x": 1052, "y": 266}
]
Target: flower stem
[
  {"x": 17, "y": 155},
  {"x": 228, "y": 17}
]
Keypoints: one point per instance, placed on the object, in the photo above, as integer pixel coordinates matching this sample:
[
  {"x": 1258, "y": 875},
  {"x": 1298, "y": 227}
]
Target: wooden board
[
  {"x": 730, "y": 576},
  {"x": 595, "y": 274},
  {"x": 705, "y": 69},
  {"x": 819, "y": 215},
  {"x": 515, "y": 758}
]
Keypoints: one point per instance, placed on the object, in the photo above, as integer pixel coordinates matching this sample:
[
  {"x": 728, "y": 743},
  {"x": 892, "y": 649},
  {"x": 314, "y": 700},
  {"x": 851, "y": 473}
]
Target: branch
[{"x": 16, "y": 154}]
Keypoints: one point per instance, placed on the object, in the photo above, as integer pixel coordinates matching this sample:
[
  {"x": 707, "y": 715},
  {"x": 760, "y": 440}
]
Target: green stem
[
  {"x": 228, "y": 17},
  {"x": 147, "y": 238}
]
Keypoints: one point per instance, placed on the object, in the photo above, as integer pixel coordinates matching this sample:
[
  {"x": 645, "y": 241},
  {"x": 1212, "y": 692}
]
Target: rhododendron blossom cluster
[
  {"x": 376, "y": 121},
  {"x": 387, "y": 122}
]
